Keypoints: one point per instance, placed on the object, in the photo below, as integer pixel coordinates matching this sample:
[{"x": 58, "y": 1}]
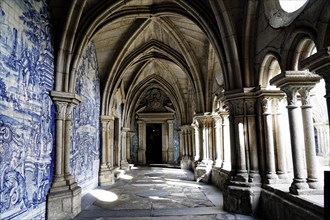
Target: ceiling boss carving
[{"x": 155, "y": 100}]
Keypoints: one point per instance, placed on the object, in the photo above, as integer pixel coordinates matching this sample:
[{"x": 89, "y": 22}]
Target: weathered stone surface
[{"x": 241, "y": 198}]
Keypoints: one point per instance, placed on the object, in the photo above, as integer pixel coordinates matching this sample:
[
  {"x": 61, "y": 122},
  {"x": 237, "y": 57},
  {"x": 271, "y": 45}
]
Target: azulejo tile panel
[
  {"x": 85, "y": 123},
  {"x": 26, "y": 110}
]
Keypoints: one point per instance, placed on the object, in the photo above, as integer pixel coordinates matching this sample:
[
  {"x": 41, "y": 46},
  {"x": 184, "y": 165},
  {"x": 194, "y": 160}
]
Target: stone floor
[{"x": 155, "y": 193}]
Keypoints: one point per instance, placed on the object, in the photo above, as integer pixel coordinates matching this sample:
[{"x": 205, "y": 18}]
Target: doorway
[{"x": 153, "y": 143}]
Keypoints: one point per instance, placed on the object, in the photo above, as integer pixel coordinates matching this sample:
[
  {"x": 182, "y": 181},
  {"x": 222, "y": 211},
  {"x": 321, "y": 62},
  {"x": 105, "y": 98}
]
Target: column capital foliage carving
[
  {"x": 69, "y": 110},
  {"x": 266, "y": 103},
  {"x": 61, "y": 110},
  {"x": 305, "y": 95},
  {"x": 291, "y": 94},
  {"x": 279, "y": 104},
  {"x": 249, "y": 106}
]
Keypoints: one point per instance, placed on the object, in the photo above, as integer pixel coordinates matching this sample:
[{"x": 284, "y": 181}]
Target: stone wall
[
  {"x": 85, "y": 136},
  {"x": 26, "y": 109},
  {"x": 276, "y": 205},
  {"x": 218, "y": 177}
]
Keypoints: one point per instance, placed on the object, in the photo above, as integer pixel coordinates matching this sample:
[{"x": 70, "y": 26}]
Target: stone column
[
  {"x": 128, "y": 145},
  {"x": 240, "y": 186},
  {"x": 269, "y": 141},
  {"x": 291, "y": 82},
  {"x": 320, "y": 63},
  {"x": 210, "y": 144},
  {"x": 142, "y": 142},
  {"x": 64, "y": 197},
  {"x": 123, "y": 162},
  {"x": 299, "y": 183},
  {"x": 170, "y": 151},
  {"x": 110, "y": 138},
  {"x": 218, "y": 140},
  {"x": 251, "y": 138},
  {"x": 184, "y": 143},
  {"x": 106, "y": 176},
  {"x": 225, "y": 141},
  {"x": 239, "y": 142},
  {"x": 190, "y": 147},
  {"x": 311, "y": 160},
  {"x": 195, "y": 125},
  {"x": 203, "y": 169},
  {"x": 233, "y": 134},
  {"x": 59, "y": 179},
  {"x": 281, "y": 133}
]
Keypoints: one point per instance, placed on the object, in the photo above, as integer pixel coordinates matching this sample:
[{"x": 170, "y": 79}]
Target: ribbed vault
[{"x": 175, "y": 40}]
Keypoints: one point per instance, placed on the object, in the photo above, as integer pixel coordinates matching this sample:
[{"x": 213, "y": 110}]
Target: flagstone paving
[{"x": 155, "y": 193}]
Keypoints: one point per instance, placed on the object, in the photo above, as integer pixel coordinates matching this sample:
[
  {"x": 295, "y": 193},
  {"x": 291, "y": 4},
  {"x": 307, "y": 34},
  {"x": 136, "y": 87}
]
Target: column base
[
  {"x": 241, "y": 198},
  {"x": 218, "y": 163},
  {"x": 202, "y": 171},
  {"x": 170, "y": 157},
  {"x": 254, "y": 177},
  {"x": 226, "y": 165},
  {"x": 241, "y": 176},
  {"x": 314, "y": 184},
  {"x": 64, "y": 202},
  {"x": 186, "y": 163},
  {"x": 124, "y": 165},
  {"x": 299, "y": 187},
  {"x": 106, "y": 176},
  {"x": 141, "y": 156},
  {"x": 271, "y": 178}
]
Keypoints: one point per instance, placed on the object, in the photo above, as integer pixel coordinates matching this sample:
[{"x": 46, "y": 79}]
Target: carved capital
[
  {"x": 279, "y": 104},
  {"x": 305, "y": 95},
  {"x": 249, "y": 106},
  {"x": 291, "y": 94},
  {"x": 61, "y": 108},
  {"x": 69, "y": 109},
  {"x": 266, "y": 105}
]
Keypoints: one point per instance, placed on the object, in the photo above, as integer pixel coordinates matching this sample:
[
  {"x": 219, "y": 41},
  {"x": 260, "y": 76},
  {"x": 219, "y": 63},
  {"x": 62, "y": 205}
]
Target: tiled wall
[
  {"x": 85, "y": 136},
  {"x": 26, "y": 110}
]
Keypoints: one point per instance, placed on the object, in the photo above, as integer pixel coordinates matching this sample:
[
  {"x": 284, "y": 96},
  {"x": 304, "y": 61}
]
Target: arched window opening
[
  {"x": 270, "y": 68},
  {"x": 292, "y": 5},
  {"x": 304, "y": 49}
]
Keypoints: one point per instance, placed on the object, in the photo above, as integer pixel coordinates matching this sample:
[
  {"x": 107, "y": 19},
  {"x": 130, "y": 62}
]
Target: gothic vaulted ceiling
[{"x": 168, "y": 44}]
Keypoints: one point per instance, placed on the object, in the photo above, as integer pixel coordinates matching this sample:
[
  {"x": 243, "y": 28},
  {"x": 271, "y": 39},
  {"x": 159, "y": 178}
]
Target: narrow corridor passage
[{"x": 155, "y": 193}]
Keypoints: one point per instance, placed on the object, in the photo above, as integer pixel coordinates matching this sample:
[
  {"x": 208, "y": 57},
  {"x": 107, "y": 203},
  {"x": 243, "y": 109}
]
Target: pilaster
[
  {"x": 185, "y": 145},
  {"x": 203, "y": 169},
  {"x": 242, "y": 188},
  {"x": 123, "y": 162},
  {"x": 106, "y": 176},
  {"x": 170, "y": 151},
  {"x": 64, "y": 198}
]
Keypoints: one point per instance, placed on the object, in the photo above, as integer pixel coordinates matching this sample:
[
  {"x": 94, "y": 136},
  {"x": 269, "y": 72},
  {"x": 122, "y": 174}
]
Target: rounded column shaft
[
  {"x": 269, "y": 141},
  {"x": 311, "y": 160}
]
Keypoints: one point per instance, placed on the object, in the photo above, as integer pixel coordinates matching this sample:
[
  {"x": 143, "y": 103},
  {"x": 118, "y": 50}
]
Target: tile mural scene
[
  {"x": 85, "y": 123},
  {"x": 26, "y": 109}
]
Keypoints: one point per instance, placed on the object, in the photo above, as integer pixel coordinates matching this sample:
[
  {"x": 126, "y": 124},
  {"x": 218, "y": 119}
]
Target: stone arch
[
  {"x": 298, "y": 42},
  {"x": 232, "y": 69},
  {"x": 134, "y": 96},
  {"x": 146, "y": 52},
  {"x": 73, "y": 46},
  {"x": 269, "y": 68}
]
